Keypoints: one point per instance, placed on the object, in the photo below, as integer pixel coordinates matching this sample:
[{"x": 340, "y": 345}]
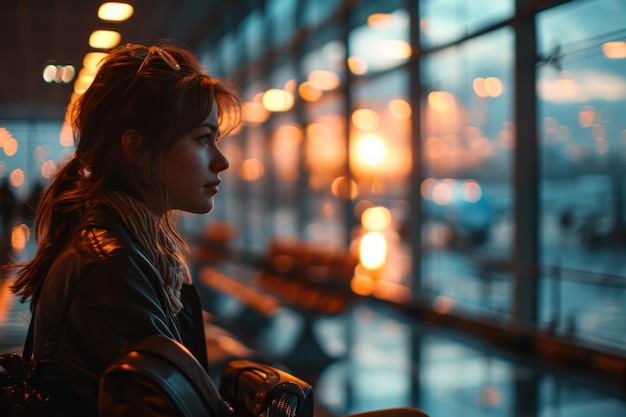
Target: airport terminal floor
[{"x": 373, "y": 356}]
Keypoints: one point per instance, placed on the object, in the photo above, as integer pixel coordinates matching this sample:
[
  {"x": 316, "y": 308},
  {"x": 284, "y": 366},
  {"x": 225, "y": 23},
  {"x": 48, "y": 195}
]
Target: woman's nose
[{"x": 220, "y": 162}]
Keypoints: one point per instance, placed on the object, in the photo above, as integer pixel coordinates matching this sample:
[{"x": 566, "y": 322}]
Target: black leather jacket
[{"x": 100, "y": 296}]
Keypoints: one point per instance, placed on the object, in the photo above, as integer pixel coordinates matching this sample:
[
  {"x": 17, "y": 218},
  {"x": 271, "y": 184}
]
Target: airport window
[
  {"x": 445, "y": 21},
  {"x": 581, "y": 99},
  {"x": 467, "y": 142}
]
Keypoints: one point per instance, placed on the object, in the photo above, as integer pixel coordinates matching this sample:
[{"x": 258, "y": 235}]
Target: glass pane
[
  {"x": 30, "y": 153},
  {"x": 325, "y": 168},
  {"x": 380, "y": 42},
  {"x": 253, "y": 33},
  {"x": 281, "y": 15},
  {"x": 380, "y": 160},
  {"x": 582, "y": 99},
  {"x": 286, "y": 141},
  {"x": 316, "y": 11},
  {"x": 445, "y": 21},
  {"x": 467, "y": 141},
  {"x": 325, "y": 138},
  {"x": 245, "y": 181}
]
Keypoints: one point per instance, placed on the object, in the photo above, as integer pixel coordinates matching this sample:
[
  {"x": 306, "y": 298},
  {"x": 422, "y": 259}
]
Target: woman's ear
[{"x": 132, "y": 142}]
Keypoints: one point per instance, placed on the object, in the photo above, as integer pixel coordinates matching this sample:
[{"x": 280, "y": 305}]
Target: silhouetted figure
[
  {"x": 8, "y": 205},
  {"x": 29, "y": 206}
]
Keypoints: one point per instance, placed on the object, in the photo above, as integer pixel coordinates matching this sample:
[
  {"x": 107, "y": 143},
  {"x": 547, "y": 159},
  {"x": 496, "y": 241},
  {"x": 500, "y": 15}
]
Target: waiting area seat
[
  {"x": 309, "y": 279},
  {"x": 161, "y": 368}
]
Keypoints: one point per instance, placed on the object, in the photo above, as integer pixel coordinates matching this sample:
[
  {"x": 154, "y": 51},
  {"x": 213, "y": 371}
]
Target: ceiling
[{"x": 37, "y": 31}]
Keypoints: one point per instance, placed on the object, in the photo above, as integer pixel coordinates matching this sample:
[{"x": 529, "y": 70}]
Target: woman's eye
[{"x": 204, "y": 139}]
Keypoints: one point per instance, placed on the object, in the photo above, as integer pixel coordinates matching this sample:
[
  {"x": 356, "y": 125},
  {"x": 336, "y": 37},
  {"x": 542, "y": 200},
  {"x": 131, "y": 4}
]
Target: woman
[{"x": 110, "y": 270}]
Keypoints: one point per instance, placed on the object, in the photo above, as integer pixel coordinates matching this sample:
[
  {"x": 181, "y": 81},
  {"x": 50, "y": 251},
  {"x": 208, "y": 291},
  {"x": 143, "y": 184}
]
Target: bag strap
[{"x": 180, "y": 361}]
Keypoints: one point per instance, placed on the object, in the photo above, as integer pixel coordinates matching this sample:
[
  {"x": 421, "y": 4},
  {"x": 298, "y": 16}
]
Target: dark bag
[
  {"x": 159, "y": 376},
  {"x": 17, "y": 397},
  {"x": 256, "y": 389}
]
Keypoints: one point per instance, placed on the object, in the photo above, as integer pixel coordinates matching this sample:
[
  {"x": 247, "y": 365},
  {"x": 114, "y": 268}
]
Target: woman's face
[{"x": 191, "y": 168}]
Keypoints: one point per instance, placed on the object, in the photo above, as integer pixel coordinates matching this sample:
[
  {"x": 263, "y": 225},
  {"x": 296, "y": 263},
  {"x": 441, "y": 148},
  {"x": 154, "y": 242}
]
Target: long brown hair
[{"x": 160, "y": 103}]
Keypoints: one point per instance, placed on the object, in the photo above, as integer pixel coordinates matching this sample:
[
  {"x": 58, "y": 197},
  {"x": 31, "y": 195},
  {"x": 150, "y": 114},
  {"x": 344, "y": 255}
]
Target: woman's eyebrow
[{"x": 210, "y": 126}]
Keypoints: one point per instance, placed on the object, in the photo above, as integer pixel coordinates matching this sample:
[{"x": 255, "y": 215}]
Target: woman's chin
[{"x": 197, "y": 208}]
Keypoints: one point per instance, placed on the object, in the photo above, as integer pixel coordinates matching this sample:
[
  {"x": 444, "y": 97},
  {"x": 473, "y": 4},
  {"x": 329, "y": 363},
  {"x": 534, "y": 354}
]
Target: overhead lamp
[
  {"x": 104, "y": 39},
  {"x": 93, "y": 59},
  {"x": 58, "y": 73},
  {"x": 115, "y": 12}
]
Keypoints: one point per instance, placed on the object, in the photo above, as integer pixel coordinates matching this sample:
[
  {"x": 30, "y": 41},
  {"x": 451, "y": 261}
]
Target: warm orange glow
[
  {"x": 400, "y": 109},
  {"x": 441, "y": 101},
  {"x": 344, "y": 188},
  {"x": 362, "y": 284},
  {"x": 286, "y": 140},
  {"x": 115, "y": 12},
  {"x": 361, "y": 206},
  {"x": 48, "y": 169},
  {"x": 10, "y": 147},
  {"x": 325, "y": 148},
  {"x": 392, "y": 291},
  {"x": 365, "y": 119},
  {"x": 93, "y": 59},
  {"x": 5, "y": 136},
  {"x": 373, "y": 250},
  {"x": 82, "y": 83},
  {"x": 6, "y": 300},
  {"x": 471, "y": 191},
  {"x": 587, "y": 116},
  {"x": 251, "y": 169},
  {"x": 357, "y": 65},
  {"x": 479, "y": 87},
  {"x": 443, "y": 304},
  {"x": 566, "y": 85},
  {"x": 324, "y": 80},
  {"x": 392, "y": 49},
  {"x": 442, "y": 193},
  {"x": 254, "y": 113},
  {"x": 426, "y": 188},
  {"x": 19, "y": 236},
  {"x": 433, "y": 147},
  {"x": 277, "y": 100},
  {"x": 376, "y": 218},
  {"x": 16, "y": 178},
  {"x": 494, "y": 87},
  {"x": 290, "y": 86},
  {"x": 614, "y": 50},
  {"x": 104, "y": 39},
  {"x": 290, "y": 134},
  {"x": 371, "y": 150},
  {"x": 488, "y": 87},
  {"x": 308, "y": 92},
  {"x": 380, "y": 21},
  {"x": 66, "y": 137}
]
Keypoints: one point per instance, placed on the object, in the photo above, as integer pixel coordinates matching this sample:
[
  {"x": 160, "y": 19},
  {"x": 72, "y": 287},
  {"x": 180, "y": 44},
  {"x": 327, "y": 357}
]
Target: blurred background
[{"x": 426, "y": 200}]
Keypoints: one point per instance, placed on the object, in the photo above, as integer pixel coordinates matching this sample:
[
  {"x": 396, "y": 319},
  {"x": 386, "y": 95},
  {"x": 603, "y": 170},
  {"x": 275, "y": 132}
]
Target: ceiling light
[
  {"x": 93, "y": 59},
  {"x": 104, "y": 39},
  {"x": 115, "y": 12},
  {"x": 58, "y": 73}
]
